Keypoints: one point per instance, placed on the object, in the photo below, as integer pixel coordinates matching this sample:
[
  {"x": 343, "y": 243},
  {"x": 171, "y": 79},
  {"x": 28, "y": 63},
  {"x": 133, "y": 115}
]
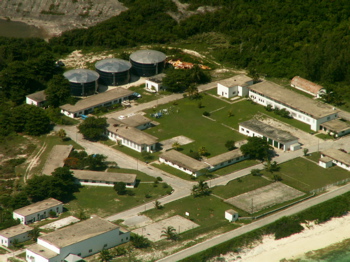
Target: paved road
[{"x": 255, "y": 225}]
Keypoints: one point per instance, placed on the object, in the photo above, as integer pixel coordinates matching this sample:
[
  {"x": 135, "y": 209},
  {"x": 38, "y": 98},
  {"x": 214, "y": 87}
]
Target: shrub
[
  {"x": 206, "y": 113},
  {"x": 159, "y": 178}
]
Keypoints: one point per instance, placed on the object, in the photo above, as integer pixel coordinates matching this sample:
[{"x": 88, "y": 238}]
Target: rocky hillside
[{"x": 56, "y": 16}]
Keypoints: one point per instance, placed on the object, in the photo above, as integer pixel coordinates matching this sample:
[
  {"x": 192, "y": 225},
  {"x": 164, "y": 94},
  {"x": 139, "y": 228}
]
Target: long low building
[
  {"x": 96, "y": 178},
  {"x": 336, "y": 128},
  {"x": 87, "y": 105},
  {"x": 277, "y": 138},
  {"x": 182, "y": 162},
  {"x": 38, "y": 211},
  {"x": 301, "y": 108},
  {"x": 131, "y": 137},
  {"x": 36, "y": 99},
  {"x": 77, "y": 241},
  {"x": 225, "y": 159},
  {"x": 19, "y": 233},
  {"x": 334, "y": 156},
  {"x": 56, "y": 158}
]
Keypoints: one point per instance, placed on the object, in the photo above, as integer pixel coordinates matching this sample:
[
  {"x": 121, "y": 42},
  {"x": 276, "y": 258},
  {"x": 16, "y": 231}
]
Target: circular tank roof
[
  {"x": 148, "y": 56},
  {"x": 113, "y": 65},
  {"x": 81, "y": 75}
]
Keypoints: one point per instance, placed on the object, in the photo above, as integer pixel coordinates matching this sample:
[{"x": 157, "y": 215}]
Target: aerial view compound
[{"x": 174, "y": 130}]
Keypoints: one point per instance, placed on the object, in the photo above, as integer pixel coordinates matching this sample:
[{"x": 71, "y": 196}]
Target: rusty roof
[{"x": 306, "y": 85}]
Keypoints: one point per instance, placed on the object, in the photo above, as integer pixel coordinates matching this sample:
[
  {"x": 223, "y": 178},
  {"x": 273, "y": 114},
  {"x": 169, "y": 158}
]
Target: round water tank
[
  {"x": 83, "y": 82},
  {"x": 113, "y": 71},
  {"x": 147, "y": 62}
]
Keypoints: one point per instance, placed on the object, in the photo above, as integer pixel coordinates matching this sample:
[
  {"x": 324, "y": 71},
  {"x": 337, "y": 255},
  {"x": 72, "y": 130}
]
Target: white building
[
  {"x": 336, "y": 128},
  {"x": 131, "y": 137},
  {"x": 234, "y": 86},
  {"x": 231, "y": 215},
  {"x": 277, "y": 138},
  {"x": 225, "y": 159},
  {"x": 301, "y": 108},
  {"x": 87, "y": 105},
  {"x": 154, "y": 84},
  {"x": 38, "y": 211},
  {"x": 334, "y": 156},
  {"x": 18, "y": 233},
  {"x": 36, "y": 99},
  {"x": 138, "y": 121},
  {"x": 80, "y": 240},
  {"x": 307, "y": 86},
  {"x": 183, "y": 162},
  {"x": 95, "y": 178}
]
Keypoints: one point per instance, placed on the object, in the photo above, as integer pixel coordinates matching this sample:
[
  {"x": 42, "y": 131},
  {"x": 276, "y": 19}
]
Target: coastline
[{"x": 312, "y": 243}]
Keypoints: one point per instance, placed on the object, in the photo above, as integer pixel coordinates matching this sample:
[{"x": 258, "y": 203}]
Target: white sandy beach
[{"x": 293, "y": 247}]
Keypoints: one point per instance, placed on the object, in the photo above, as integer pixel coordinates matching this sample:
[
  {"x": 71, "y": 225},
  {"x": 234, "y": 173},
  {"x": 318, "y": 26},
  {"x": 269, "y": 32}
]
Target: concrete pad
[
  {"x": 61, "y": 223},
  {"x": 182, "y": 140},
  {"x": 264, "y": 197},
  {"x": 137, "y": 221},
  {"x": 153, "y": 231}
]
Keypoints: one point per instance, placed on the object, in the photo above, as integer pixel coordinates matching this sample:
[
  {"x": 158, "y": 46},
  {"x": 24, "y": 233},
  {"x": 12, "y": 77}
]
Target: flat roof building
[
  {"x": 36, "y": 99},
  {"x": 87, "y": 105},
  {"x": 234, "y": 86},
  {"x": 182, "y": 162},
  {"x": 19, "y": 233},
  {"x": 307, "y": 86},
  {"x": 38, "y": 211},
  {"x": 304, "y": 109},
  {"x": 276, "y": 137},
  {"x": 81, "y": 239},
  {"x": 225, "y": 159},
  {"x": 95, "y": 178},
  {"x": 335, "y": 156}
]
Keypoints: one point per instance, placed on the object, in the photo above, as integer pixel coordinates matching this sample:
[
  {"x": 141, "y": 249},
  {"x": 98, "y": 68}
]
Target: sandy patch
[
  {"x": 182, "y": 140},
  {"x": 61, "y": 223},
  {"x": 313, "y": 237}
]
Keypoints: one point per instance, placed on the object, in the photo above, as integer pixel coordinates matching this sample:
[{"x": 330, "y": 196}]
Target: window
[
  {"x": 105, "y": 245},
  {"x": 90, "y": 250},
  {"x": 79, "y": 254},
  {"x": 127, "y": 238}
]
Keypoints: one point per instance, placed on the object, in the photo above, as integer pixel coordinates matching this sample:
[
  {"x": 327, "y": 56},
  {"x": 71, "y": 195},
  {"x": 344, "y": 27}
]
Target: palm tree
[
  {"x": 176, "y": 145},
  {"x": 202, "y": 151},
  {"x": 192, "y": 91},
  {"x": 35, "y": 233},
  {"x": 170, "y": 233},
  {"x": 105, "y": 255},
  {"x": 202, "y": 189},
  {"x": 158, "y": 205},
  {"x": 62, "y": 134}
]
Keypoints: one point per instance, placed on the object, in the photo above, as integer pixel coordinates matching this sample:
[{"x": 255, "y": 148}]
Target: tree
[
  {"x": 255, "y": 172},
  {"x": 35, "y": 233},
  {"x": 95, "y": 162},
  {"x": 120, "y": 187},
  {"x": 170, "y": 233},
  {"x": 58, "y": 91},
  {"x": 62, "y": 134},
  {"x": 105, "y": 255},
  {"x": 140, "y": 241},
  {"x": 201, "y": 189},
  {"x": 158, "y": 205},
  {"x": 256, "y": 148},
  {"x": 176, "y": 80},
  {"x": 230, "y": 145},
  {"x": 271, "y": 166},
  {"x": 192, "y": 91},
  {"x": 202, "y": 151},
  {"x": 93, "y": 128},
  {"x": 305, "y": 151},
  {"x": 176, "y": 145}
]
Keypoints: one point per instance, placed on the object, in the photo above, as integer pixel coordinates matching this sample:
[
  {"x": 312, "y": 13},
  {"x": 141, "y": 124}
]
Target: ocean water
[{"x": 19, "y": 29}]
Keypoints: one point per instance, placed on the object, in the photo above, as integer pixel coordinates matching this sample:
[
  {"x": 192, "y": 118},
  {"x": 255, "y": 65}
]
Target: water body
[{"x": 19, "y": 29}]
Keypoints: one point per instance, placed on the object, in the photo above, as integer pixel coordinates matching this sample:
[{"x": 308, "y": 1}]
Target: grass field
[
  {"x": 104, "y": 201},
  {"x": 186, "y": 119},
  {"x": 305, "y": 175},
  {"x": 235, "y": 167},
  {"x": 240, "y": 186},
  {"x": 208, "y": 212}
]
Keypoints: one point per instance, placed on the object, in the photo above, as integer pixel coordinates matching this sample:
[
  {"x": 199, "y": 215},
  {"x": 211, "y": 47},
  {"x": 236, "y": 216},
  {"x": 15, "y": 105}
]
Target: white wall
[
  {"x": 227, "y": 163},
  {"x": 150, "y": 84},
  {"x": 102, "y": 183},
  {"x": 8, "y": 241},
  {"x": 227, "y": 91},
  {"x": 32, "y": 257},
  {"x": 31, "y": 102},
  {"x": 196, "y": 174}
]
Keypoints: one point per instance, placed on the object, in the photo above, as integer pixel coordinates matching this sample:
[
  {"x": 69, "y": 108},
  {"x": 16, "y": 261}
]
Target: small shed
[
  {"x": 231, "y": 215},
  {"x": 154, "y": 84},
  {"x": 325, "y": 162}
]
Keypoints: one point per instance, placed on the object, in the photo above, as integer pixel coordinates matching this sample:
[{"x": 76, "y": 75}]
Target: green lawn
[
  {"x": 174, "y": 171},
  {"x": 315, "y": 156},
  {"x": 135, "y": 154},
  {"x": 208, "y": 212},
  {"x": 245, "y": 110},
  {"x": 305, "y": 175},
  {"x": 186, "y": 119},
  {"x": 140, "y": 175},
  {"x": 235, "y": 167},
  {"x": 240, "y": 186},
  {"x": 325, "y": 136},
  {"x": 104, "y": 201}
]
